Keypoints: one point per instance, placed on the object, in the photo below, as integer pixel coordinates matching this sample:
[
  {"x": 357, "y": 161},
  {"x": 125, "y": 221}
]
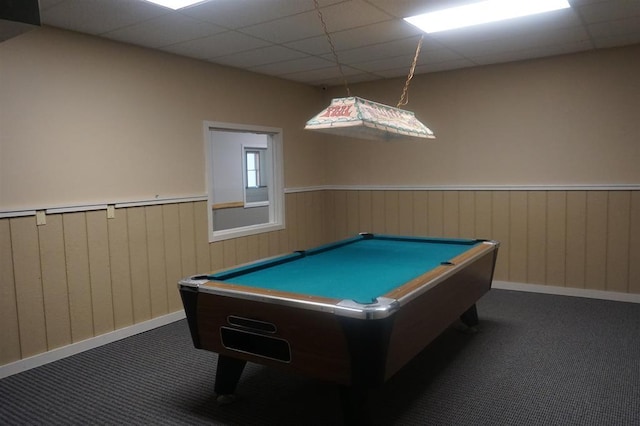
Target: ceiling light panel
[
  {"x": 176, "y": 4},
  {"x": 481, "y": 13}
]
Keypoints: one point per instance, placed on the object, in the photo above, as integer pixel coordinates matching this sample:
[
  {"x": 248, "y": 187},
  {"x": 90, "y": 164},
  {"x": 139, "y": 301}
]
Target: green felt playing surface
[{"x": 362, "y": 269}]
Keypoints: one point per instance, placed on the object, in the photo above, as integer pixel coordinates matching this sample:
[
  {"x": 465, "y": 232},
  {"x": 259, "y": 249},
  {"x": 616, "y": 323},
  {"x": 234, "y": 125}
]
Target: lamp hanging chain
[
  {"x": 404, "y": 99},
  {"x": 333, "y": 48}
]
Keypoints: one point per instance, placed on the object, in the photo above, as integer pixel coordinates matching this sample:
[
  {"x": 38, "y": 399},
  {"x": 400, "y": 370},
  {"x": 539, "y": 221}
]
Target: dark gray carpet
[{"x": 537, "y": 360}]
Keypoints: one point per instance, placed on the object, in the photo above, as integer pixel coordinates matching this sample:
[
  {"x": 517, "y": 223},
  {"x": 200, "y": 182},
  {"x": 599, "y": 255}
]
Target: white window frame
[{"x": 275, "y": 188}]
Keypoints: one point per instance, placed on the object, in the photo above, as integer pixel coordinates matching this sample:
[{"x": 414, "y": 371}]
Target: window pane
[{"x": 251, "y": 179}]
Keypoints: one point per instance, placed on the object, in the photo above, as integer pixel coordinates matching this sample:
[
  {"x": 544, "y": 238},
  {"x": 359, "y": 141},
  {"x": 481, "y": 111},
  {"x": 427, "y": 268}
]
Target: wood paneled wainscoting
[
  {"x": 583, "y": 239},
  {"x": 81, "y": 276}
]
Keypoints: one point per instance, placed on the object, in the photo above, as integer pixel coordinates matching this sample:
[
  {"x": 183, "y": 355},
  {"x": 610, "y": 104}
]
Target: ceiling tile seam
[{"x": 578, "y": 11}]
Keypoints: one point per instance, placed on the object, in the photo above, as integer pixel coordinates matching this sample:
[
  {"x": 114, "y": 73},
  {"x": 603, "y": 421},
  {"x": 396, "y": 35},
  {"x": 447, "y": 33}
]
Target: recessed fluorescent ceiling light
[
  {"x": 482, "y": 13},
  {"x": 176, "y": 4}
]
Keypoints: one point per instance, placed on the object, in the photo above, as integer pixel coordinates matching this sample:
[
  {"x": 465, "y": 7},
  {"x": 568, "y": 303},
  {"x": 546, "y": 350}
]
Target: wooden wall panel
[
  {"x": 596, "y": 240},
  {"x": 28, "y": 286},
  {"x": 420, "y": 211},
  {"x": 242, "y": 251},
  {"x": 77, "y": 254},
  {"x": 158, "y": 285},
  {"x": 353, "y": 213},
  {"x": 365, "y": 217},
  {"x": 435, "y": 214},
  {"x": 405, "y": 213},
  {"x": 100, "y": 272},
  {"x": 291, "y": 233},
  {"x": 467, "y": 208},
  {"x": 139, "y": 264},
  {"x": 536, "y": 237},
  {"x": 263, "y": 246},
  {"x": 317, "y": 223},
  {"x": 500, "y": 210},
  {"x": 9, "y": 329},
  {"x": 483, "y": 215},
  {"x": 120, "y": 269},
  {"x": 518, "y": 222},
  {"x": 330, "y": 215},
  {"x": 451, "y": 214},
  {"x": 229, "y": 253},
  {"x": 203, "y": 262},
  {"x": 556, "y": 238},
  {"x": 253, "y": 248},
  {"x": 391, "y": 213},
  {"x": 378, "y": 212},
  {"x": 634, "y": 244},
  {"x": 216, "y": 251},
  {"x": 303, "y": 203},
  {"x": 187, "y": 239},
  {"x": 173, "y": 254},
  {"x": 576, "y": 241},
  {"x": 54, "y": 282},
  {"x": 617, "y": 240}
]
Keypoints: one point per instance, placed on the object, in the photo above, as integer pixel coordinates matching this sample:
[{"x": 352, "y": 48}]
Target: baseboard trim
[
  {"x": 84, "y": 345},
  {"x": 568, "y": 291}
]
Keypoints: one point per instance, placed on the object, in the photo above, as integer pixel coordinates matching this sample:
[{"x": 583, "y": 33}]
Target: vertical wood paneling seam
[
  {"x": 86, "y": 241},
  {"x": 164, "y": 254},
  {"x": 195, "y": 235},
  {"x": 66, "y": 276},
  {"x": 44, "y": 308},
  {"x": 629, "y": 261},
  {"x": 546, "y": 238},
  {"x": 146, "y": 237},
  {"x": 113, "y": 308},
  {"x": 133, "y": 298},
  {"x": 15, "y": 290},
  {"x": 586, "y": 229},
  {"x": 606, "y": 241}
]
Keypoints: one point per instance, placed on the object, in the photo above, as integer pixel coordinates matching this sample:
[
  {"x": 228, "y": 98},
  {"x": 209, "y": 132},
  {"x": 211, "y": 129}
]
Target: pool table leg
[
  {"x": 470, "y": 316},
  {"x": 355, "y": 405},
  {"x": 228, "y": 374}
]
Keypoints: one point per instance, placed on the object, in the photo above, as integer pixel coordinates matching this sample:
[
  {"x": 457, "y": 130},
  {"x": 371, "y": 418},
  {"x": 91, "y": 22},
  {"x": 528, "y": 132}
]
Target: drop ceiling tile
[
  {"x": 380, "y": 51},
  {"x": 290, "y": 67},
  {"x": 99, "y": 16},
  {"x": 610, "y": 10},
  {"x": 326, "y": 75},
  {"x": 164, "y": 30},
  {"x": 337, "y": 17},
  {"x": 262, "y": 56},
  {"x": 226, "y": 12},
  {"x": 518, "y": 41},
  {"x": 317, "y": 45},
  {"x": 216, "y": 45},
  {"x": 403, "y": 63},
  {"x": 611, "y": 29},
  {"x": 380, "y": 32},
  {"x": 532, "y": 52},
  {"x": 337, "y": 81}
]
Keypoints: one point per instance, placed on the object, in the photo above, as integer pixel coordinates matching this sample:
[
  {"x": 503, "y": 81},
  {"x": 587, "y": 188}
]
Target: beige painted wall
[
  {"x": 85, "y": 121},
  {"x": 564, "y": 120}
]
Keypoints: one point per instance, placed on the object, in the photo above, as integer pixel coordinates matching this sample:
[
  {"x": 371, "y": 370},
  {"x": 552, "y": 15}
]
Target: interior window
[{"x": 244, "y": 180}]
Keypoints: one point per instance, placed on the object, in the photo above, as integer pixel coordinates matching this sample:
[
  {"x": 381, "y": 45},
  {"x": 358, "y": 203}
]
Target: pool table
[{"x": 351, "y": 312}]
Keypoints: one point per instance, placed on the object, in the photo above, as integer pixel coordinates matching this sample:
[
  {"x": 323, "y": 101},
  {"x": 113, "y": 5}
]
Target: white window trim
[{"x": 276, "y": 187}]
